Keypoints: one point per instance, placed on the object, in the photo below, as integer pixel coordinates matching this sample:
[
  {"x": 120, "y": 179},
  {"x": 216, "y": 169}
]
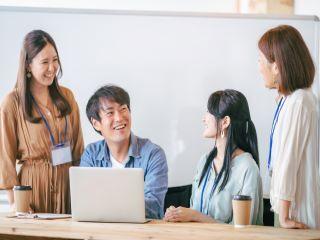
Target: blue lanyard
[
  {"x": 202, "y": 192},
  {"x": 274, "y": 123},
  {"x": 48, "y": 126}
]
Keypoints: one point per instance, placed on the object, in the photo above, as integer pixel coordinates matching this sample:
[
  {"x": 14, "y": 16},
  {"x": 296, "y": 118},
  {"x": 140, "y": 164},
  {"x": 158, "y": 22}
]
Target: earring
[
  {"x": 222, "y": 134},
  {"x": 275, "y": 81},
  {"x": 29, "y": 75}
]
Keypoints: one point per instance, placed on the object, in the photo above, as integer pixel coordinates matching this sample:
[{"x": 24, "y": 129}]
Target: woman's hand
[
  {"x": 288, "y": 223},
  {"x": 179, "y": 214},
  {"x": 182, "y": 214},
  {"x": 284, "y": 219}
]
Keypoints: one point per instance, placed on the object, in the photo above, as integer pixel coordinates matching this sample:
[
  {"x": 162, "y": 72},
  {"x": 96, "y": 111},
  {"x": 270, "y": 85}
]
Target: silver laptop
[{"x": 107, "y": 194}]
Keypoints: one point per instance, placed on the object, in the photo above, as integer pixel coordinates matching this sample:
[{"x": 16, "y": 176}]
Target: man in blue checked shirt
[{"x": 108, "y": 110}]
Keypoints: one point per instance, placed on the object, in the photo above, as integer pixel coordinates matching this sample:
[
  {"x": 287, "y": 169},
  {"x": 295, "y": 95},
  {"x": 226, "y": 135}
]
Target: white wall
[
  {"x": 225, "y": 6},
  {"x": 307, "y": 7},
  {"x": 301, "y": 7}
]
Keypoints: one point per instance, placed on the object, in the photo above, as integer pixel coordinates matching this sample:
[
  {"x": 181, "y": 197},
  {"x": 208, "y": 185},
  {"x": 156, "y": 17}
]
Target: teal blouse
[{"x": 244, "y": 179}]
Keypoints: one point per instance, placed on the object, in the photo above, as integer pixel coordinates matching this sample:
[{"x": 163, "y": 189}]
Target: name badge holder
[
  {"x": 274, "y": 123},
  {"x": 60, "y": 152},
  {"x": 202, "y": 208}
]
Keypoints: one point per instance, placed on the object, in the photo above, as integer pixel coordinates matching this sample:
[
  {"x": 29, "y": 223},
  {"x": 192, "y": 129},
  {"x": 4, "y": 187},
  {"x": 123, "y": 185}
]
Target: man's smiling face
[{"x": 115, "y": 123}]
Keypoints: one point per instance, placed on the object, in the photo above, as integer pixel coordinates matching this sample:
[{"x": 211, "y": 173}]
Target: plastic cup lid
[
  {"x": 241, "y": 197},
  {"x": 22, "y": 188}
]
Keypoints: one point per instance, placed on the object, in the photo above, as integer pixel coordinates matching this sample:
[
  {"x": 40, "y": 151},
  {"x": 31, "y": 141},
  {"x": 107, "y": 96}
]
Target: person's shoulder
[
  {"x": 246, "y": 162},
  {"x": 65, "y": 90},
  {"x": 150, "y": 153},
  {"x": 10, "y": 101},
  {"x": 302, "y": 93},
  {"x": 146, "y": 144},
  {"x": 304, "y": 98},
  {"x": 303, "y": 104},
  {"x": 67, "y": 93},
  {"x": 95, "y": 147},
  {"x": 202, "y": 161}
]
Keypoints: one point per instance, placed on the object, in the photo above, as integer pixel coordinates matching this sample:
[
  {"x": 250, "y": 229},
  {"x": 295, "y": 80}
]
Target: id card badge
[{"x": 61, "y": 154}]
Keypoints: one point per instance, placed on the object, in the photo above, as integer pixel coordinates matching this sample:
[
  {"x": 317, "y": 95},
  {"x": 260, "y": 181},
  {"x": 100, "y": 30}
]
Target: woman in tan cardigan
[{"x": 36, "y": 119}]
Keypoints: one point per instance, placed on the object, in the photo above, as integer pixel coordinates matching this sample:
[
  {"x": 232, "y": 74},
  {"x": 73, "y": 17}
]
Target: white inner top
[{"x": 117, "y": 164}]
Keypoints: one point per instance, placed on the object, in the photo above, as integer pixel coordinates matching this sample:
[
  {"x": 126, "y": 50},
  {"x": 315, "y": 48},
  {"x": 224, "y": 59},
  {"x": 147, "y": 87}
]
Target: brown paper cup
[
  {"x": 22, "y": 199},
  {"x": 241, "y": 205}
]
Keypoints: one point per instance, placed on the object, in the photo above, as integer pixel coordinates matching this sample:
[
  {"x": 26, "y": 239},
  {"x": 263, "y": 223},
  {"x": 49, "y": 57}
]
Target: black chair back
[{"x": 178, "y": 196}]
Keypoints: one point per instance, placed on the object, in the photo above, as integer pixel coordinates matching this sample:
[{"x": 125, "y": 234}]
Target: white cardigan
[{"x": 295, "y": 158}]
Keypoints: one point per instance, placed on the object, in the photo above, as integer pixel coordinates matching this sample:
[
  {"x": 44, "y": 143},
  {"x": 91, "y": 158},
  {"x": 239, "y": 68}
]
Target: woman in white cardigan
[{"x": 293, "y": 162}]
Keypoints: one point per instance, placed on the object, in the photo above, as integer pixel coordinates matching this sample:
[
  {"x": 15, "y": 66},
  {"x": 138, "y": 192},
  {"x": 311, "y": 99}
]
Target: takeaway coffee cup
[
  {"x": 22, "y": 199},
  {"x": 241, "y": 205}
]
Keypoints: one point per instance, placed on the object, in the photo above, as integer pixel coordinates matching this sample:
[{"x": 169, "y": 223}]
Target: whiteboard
[{"x": 169, "y": 62}]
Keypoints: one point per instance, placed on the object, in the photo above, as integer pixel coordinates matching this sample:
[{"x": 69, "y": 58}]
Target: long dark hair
[
  {"x": 241, "y": 132},
  {"x": 33, "y": 43}
]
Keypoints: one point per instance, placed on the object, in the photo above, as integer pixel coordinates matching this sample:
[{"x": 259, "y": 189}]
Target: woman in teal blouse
[{"x": 230, "y": 168}]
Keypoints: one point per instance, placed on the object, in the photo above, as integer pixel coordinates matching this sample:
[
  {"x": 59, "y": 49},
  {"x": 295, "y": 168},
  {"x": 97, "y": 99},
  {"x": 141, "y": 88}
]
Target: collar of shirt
[{"x": 133, "y": 152}]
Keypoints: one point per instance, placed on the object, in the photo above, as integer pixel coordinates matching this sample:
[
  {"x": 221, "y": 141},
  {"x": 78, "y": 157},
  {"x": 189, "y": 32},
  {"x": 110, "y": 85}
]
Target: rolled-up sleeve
[{"x": 156, "y": 184}]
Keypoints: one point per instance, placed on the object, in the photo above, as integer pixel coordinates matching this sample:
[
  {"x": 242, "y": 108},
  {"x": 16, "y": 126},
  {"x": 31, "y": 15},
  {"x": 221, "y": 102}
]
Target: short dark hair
[
  {"x": 108, "y": 92},
  {"x": 284, "y": 45}
]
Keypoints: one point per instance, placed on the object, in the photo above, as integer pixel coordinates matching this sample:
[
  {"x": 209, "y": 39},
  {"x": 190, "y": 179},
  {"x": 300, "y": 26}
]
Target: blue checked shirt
[{"x": 142, "y": 154}]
